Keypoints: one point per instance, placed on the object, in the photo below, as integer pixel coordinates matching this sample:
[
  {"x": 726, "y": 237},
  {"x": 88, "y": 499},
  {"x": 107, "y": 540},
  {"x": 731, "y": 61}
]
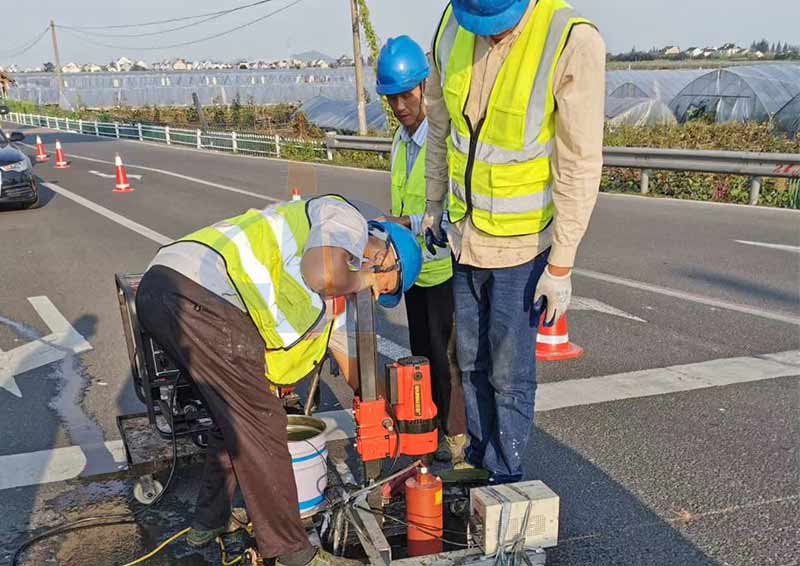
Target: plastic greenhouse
[
  {"x": 638, "y": 112},
  {"x": 660, "y": 85},
  {"x": 788, "y": 117},
  {"x": 342, "y": 115},
  {"x": 749, "y": 93},
  {"x": 175, "y": 88}
]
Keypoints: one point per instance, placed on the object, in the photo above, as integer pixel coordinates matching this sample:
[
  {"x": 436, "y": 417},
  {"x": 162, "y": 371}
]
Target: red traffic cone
[
  {"x": 552, "y": 343},
  {"x": 41, "y": 154},
  {"x": 61, "y": 161},
  {"x": 122, "y": 177},
  {"x": 296, "y": 194}
]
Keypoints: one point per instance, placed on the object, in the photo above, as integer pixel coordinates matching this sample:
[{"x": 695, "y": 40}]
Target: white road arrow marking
[
  {"x": 110, "y": 176},
  {"x": 62, "y": 341},
  {"x": 584, "y": 304},
  {"x": 782, "y": 247},
  {"x": 60, "y": 464}
]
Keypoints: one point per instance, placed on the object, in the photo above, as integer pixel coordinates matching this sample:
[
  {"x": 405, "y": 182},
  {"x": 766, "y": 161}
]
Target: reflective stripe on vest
[
  {"x": 263, "y": 250},
  {"x": 408, "y": 198},
  {"x": 503, "y": 177}
]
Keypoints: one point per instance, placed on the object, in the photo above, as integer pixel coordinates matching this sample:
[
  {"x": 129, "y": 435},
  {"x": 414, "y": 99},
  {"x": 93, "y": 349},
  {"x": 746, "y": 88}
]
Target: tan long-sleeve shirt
[{"x": 579, "y": 90}]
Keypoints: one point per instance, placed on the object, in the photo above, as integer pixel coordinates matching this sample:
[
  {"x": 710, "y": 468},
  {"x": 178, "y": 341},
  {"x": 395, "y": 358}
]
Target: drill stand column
[{"x": 394, "y": 411}]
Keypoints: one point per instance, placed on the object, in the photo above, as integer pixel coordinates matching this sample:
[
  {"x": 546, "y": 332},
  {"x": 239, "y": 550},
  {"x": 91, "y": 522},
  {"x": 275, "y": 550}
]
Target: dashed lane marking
[{"x": 70, "y": 462}]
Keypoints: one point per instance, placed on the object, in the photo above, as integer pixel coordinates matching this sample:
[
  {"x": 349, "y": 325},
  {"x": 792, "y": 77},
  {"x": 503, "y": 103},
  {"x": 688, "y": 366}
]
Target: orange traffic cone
[
  {"x": 41, "y": 154},
  {"x": 296, "y": 194},
  {"x": 552, "y": 343},
  {"x": 122, "y": 177},
  {"x": 61, "y": 161}
]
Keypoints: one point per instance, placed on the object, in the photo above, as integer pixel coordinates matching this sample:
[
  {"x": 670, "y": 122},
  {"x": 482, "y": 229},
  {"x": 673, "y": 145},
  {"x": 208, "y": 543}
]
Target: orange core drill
[
  {"x": 407, "y": 416},
  {"x": 424, "y": 513}
]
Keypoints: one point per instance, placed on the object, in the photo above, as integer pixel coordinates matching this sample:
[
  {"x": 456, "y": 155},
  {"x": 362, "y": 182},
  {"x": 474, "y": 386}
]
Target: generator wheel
[
  {"x": 146, "y": 489},
  {"x": 200, "y": 439}
]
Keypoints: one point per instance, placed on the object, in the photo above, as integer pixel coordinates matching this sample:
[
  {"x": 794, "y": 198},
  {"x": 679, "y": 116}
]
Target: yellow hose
[
  {"x": 223, "y": 551},
  {"x": 159, "y": 548}
]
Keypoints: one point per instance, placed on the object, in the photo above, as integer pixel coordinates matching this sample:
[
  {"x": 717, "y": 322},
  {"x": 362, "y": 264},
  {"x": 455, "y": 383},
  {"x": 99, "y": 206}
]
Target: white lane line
[
  {"x": 708, "y": 301},
  {"x": 58, "y": 464},
  {"x": 586, "y": 304},
  {"x": 113, "y": 176},
  {"x": 177, "y": 176},
  {"x": 62, "y": 341},
  {"x": 70, "y": 462},
  {"x": 67, "y": 463},
  {"x": 782, "y": 247},
  {"x": 341, "y": 425},
  {"x": 662, "y": 381},
  {"x": 110, "y": 214}
]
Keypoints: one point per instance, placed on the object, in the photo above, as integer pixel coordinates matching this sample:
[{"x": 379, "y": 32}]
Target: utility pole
[
  {"x": 362, "y": 105},
  {"x": 57, "y": 63}
]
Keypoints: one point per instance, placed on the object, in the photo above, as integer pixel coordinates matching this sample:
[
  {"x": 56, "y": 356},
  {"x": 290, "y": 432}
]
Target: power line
[
  {"x": 147, "y": 34},
  {"x": 16, "y": 51},
  {"x": 183, "y": 43},
  {"x": 170, "y": 20}
]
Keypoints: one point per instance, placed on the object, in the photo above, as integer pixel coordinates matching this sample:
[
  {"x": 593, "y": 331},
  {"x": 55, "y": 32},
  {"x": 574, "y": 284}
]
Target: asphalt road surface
[{"x": 691, "y": 457}]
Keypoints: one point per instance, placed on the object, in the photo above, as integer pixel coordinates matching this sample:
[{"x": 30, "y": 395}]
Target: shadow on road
[
  {"x": 737, "y": 284},
  {"x": 601, "y": 522}
]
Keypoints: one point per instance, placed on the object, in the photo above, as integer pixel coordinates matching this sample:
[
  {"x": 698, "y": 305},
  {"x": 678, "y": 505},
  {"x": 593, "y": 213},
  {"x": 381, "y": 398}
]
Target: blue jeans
[{"x": 496, "y": 325}]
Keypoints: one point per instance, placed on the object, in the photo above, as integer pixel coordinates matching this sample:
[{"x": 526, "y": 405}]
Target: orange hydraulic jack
[{"x": 394, "y": 413}]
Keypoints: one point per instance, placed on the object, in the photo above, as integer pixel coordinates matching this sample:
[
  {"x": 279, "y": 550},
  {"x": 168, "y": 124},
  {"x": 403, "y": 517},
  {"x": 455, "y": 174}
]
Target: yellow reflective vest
[
  {"x": 408, "y": 198},
  {"x": 262, "y": 250},
  {"x": 499, "y": 168}
]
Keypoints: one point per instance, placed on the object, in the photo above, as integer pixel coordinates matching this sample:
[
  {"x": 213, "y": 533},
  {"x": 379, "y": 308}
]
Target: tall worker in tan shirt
[{"x": 515, "y": 111}]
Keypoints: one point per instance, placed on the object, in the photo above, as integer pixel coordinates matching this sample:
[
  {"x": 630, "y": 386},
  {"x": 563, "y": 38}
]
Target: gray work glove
[
  {"x": 555, "y": 292},
  {"x": 431, "y": 227}
]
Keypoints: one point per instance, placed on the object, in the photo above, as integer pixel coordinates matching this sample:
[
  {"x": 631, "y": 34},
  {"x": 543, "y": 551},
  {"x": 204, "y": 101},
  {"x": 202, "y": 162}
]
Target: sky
[{"x": 323, "y": 25}]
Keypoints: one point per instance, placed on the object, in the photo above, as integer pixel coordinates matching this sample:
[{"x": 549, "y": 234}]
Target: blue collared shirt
[{"x": 413, "y": 144}]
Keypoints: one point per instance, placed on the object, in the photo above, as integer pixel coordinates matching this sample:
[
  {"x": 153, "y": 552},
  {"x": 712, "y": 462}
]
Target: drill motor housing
[{"x": 406, "y": 421}]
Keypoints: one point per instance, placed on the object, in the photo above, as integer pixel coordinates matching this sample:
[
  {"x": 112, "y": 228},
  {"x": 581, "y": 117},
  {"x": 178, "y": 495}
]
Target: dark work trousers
[
  {"x": 221, "y": 351},
  {"x": 430, "y": 329}
]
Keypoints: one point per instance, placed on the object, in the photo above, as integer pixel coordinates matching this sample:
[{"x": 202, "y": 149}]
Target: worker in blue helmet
[
  {"x": 514, "y": 158},
  {"x": 246, "y": 306},
  {"x": 401, "y": 76}
]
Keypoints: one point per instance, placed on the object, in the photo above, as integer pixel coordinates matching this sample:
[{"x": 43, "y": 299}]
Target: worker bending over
[
  {"x": 401, "y": 72},
  {"x": 515, "y": 112},
  {"x": 240, "y": 306}
]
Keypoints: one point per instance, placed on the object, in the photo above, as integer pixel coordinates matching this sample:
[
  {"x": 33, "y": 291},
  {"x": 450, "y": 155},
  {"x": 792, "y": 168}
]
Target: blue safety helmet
[
  {"x": 409, "y": 258},
  {"x": 402, "y": 65},
  {"x": 489, "y": 17}
]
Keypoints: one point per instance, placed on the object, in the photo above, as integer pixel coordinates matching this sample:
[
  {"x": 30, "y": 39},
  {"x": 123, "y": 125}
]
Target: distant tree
[
  {"x": 249, "y": 117},
  {"x": 762, "y": 46},
  {"x": 236, "y": 111},
  {"x": 191, "y": 114},
  {"x": 218, "y": 113},
  {"x": 48, "y": 67}
]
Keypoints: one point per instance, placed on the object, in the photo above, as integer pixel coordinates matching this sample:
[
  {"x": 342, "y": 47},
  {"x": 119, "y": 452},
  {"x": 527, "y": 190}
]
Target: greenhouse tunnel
[{"x": 738, "y": 94}]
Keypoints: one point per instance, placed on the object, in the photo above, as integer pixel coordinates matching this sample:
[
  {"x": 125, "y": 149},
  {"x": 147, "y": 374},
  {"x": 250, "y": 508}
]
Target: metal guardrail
[
  {"x": 336, "y": 142},
  {"x": 755, "y": 165},
  {"x": 231, "y": 142}
]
